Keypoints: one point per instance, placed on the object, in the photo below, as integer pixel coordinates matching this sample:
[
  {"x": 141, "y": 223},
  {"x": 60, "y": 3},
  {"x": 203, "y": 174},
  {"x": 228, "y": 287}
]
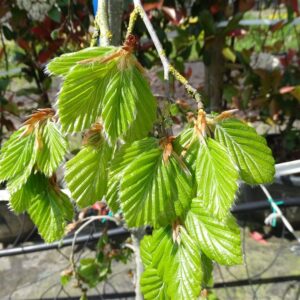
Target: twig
[
  {"x": 168, "y": 68},
  {"x": 72, "y": 260},
  {"x": 137, "y": 235},
  {"x": 89, "y": 221},
  {"x": 102, "y": 21}
]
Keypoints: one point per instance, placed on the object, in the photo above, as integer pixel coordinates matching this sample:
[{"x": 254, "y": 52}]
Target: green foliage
[
  {"x": 86, "y": 173},
  {"x": 216, "y": 177},
  {"x": 151, "y": 190},
  {"x": 60, "y": 66},
  {"x": 27, "y": 159},
  {"x": 16, "y": 154},
  {"x": 219, "y": 240},
  {"x": 183, "y": 186},
  {"x": 52, "y": 150},
  {"x": 107, "y": 85},
  {"x": 49, "y": 209},
  {"x": 249, "y": 151}
]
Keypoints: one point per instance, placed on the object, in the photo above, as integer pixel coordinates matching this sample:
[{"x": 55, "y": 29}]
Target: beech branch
[
  {"x": 168, "y": 68},
  {"x": 102, "y": 22}
]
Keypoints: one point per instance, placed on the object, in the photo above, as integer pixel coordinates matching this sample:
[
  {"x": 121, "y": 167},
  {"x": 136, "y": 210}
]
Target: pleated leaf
[
  {"x": 146, "y": 250},
  {"x": 49, "y": 210},
  {"x": 61, "y": 65},
  {"x": 218, "y": 239},
  {"x": 145, "y": 109},
  {"x": 176, "y": 266},
  {"x": 86, "y": 173},
  {"x": 152, "y": 285},
  {"x": 111, "y": 88},
  {"x": 17, "y": 153},
  {"x": 185, "y": 271},
  {"x": 153, "y": 191},
  {"x": 248, "y": 149},
  {"x": 81, "y": 96},
  {"x": 122, "y": 159},
  {"x": 119, "y": 103},
  {"x": 53, "y": 148},
  {"x": 207, "y": 270},
  {"x": 216, "y": 178},
  {"x": 20, "y": 201}
]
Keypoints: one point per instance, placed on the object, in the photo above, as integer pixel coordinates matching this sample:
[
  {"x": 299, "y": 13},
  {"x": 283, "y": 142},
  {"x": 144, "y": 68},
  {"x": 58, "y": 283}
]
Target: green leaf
[
  {"x": 16, "y": 154},
  {"x": 145, "y": 248},
  {"x": 216, "y": 178},
  {"x": 81, "y": 96},
  {"x": 20, "y": 201},
  {"x": 86, "y": 173},
  {"x": 49, "y": 209},
  {"x": 123, "y": 158},
  {"x": 119, "y": 103},
  {"x": 62, "y": 65},
  {"x": 53, "y": 148},
  {"x": 207, "y": 267},
  {"x": 114, "y": 90},
  {"x": 145, "y": 109},
  {"x": 54, "y": 14},
  {"x": 88, "y": 271},
  {"x": 152, "y": 285},
  {"x": 178, "y": 263},
  {"x": 185, "y": 272},
  {"x": 249, "y": 150},
  {"x": 153, "y": 190},
  {"x": 218, "y": 239}
]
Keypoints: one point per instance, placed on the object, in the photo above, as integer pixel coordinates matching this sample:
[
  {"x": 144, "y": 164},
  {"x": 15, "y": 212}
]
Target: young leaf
[
  {"x": 20, "y": 201},
  {"x": 49, "y": 209},
  {"x": 146, "y": 251},
  {"x": 112, "y": 88},
  {"x": 219, "y": 240},
  {"x": 52, "y": 150},
  {"x": 17, "y": 153},
  {"x": 152, "y": 285},
  {"x": 249, "y": 150},
  {"x": 145, "y": 110},
  {"x": 81, "y": 96},
  {"x": 86, "y": 173},
  {"x": 216, "y": 178},
  {"x": 207, "y": 267},
  {"x": 123, "y": 158},
  {"x": 119, "y": 103},
  {"x": 153, "y": 190},
  {"x": 61, "y": 65},
  {"x": 178, "y": 263}
]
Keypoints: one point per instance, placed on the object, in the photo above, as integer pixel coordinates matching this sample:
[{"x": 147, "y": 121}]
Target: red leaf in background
[
  {"x": 293, "y": 4},
  {"x": 22, "y": 43},
  {"x": 245, "y": 5},
  {"x": 45, "y": 55},
  {"x": 214, "y": 9},
  {"x": 277, "y": 26},
  {"x": 188, "y": 73},
  {"x": 155, "y": 5}
]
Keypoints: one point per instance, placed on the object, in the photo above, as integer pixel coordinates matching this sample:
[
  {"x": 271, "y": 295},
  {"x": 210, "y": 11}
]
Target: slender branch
[
  {"x": 137, "y": 235},
  {"x": 102, "y": 21},
  {"x": 168, "y": 68}
]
